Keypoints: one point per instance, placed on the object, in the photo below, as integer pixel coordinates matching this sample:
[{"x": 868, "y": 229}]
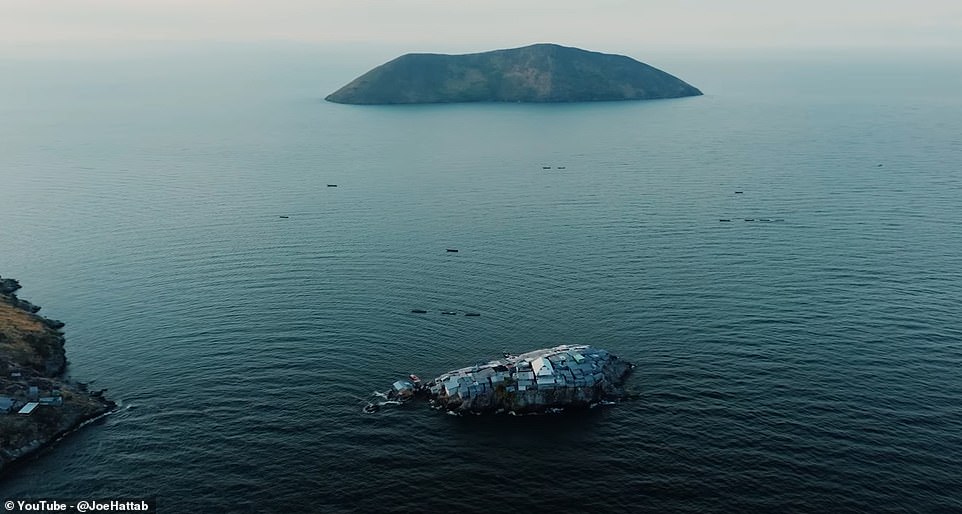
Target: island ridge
[{"x": 536, "y": 73}]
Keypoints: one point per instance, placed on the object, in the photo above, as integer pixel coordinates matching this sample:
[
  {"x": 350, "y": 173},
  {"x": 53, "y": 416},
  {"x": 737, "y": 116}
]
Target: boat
[
  {"x": 450, "y": 313},
  {"x": 453, "y": 250},
  {"x": 419, "y": 311},
  {"x": 472, "y": 314}
]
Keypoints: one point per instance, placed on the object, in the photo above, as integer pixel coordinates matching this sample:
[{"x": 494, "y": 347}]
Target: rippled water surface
[{"x": 808, "y": 360}]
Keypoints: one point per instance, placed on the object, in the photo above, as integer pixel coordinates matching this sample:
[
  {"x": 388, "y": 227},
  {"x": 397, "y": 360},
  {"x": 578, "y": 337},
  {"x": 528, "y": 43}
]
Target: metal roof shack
[
  {"x": 542, "y": 367},
  {"x": 402, "y": 385},
  {"x": 28, "y": 408}
]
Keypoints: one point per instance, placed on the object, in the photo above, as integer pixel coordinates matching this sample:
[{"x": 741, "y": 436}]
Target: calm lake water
[{"x": 809, "y": 363}]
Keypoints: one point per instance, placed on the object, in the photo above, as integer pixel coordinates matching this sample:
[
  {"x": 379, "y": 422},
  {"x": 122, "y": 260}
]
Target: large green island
[
  {"x": 536, "y": 73},
  {"x": 38, "y": 404}
]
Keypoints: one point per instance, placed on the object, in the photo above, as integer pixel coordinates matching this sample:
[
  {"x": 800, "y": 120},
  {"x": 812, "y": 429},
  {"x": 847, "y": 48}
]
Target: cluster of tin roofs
[{"x": 553, "y": 377}]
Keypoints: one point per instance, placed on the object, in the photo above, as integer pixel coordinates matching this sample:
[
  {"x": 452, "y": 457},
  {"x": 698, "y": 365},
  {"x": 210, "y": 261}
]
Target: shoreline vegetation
[{"x": 39, "y": 405}]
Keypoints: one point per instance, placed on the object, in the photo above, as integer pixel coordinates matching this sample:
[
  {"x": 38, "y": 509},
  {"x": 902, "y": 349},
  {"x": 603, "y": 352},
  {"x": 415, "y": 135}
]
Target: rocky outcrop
[
  {"x": 32, "y": 366},
  {"x": 8, "y": 285}
]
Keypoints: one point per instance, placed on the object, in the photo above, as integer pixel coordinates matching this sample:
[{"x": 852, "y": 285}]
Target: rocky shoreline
[{"x": 39, "y": 405}]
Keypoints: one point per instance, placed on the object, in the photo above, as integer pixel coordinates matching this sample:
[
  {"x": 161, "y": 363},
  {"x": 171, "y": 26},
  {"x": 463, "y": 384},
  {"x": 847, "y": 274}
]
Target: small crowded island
[
  {"x": 38, "y": 404},
  {"x": 540, "y": 73},
  {"x": 548, "y": 380}
]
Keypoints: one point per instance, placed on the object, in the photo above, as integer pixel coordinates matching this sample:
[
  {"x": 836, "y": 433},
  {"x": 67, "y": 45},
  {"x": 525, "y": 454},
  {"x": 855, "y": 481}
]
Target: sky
[{"x": 471, "y": 24}]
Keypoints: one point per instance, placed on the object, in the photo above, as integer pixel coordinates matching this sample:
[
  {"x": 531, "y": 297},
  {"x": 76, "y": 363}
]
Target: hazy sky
[{"x": 439, "y": 24}]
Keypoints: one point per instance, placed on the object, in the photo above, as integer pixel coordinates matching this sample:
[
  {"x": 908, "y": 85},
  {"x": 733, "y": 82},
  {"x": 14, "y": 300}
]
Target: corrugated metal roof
[
  {"x": 28, "y": 408},
  {"x": 542, "y": 366},
  {"x": 546, "y": 380},
  {"x": 483, "y": 374},
  {"x": 525, "y": 375},
  {"x": 401, "y": 385}
]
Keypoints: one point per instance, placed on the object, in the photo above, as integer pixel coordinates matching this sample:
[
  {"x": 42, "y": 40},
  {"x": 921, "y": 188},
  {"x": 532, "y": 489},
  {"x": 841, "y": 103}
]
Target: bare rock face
[
  {"x": 537, "y": 381},
  {"x": 8, "y": 285},
  {"x": 536, "y": 73}
]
